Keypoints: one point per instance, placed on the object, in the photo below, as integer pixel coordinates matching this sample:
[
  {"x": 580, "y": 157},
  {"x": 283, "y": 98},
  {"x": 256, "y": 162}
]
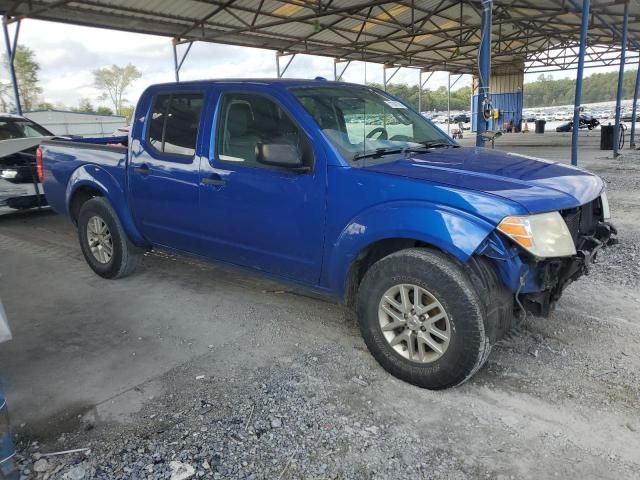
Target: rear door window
[{"x": 174, "y": 123}]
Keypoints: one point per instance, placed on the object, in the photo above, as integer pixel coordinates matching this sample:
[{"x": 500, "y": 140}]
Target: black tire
[
  {"x": 125, "y": 258},
  {"x": 447, "y": 281}
]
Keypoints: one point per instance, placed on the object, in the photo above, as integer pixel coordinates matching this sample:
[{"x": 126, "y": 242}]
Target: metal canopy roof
[{"x": 530, "y": 35}]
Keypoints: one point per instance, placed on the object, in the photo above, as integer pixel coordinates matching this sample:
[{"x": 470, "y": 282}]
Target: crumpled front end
[
  {"x": 591, "y": 233},
  {"x": 538, "y": 283}
]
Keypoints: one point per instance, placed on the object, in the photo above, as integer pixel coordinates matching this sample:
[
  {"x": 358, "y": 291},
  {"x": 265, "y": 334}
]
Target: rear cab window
[{"x": 174, "y": 121}]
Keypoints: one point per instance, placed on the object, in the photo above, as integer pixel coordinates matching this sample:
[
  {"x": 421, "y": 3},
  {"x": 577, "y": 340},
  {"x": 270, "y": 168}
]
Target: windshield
[
  {"x": 20, "y": 128},
  {"x": 363, "y": 121}
]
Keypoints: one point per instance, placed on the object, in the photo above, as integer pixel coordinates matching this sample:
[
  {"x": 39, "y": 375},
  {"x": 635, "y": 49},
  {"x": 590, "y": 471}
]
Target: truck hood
[{"x": 536, "y": 184}]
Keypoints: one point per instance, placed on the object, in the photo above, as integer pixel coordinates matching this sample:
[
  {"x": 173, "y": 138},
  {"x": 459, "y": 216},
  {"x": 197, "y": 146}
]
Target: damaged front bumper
[
  {"x": 536, "y": 284},
  {"x": 555, "y": 274}
]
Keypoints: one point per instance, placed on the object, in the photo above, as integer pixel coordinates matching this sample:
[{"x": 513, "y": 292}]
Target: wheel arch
[
  {"x": 89, "y": 181},
  {"x": 389, "y": 228}
]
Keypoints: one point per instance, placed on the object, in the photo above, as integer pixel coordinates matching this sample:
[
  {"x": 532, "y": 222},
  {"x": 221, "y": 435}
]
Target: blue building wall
[{"x": 510, "y": 106}]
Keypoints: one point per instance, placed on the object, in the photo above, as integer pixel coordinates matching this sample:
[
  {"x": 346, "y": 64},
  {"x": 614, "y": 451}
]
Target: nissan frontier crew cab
[{"x": 347, "y": 191}]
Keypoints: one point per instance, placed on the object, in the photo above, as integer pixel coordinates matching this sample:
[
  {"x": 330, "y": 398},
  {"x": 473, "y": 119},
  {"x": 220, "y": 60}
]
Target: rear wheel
[
  {"x": 104, "y": 243},
  {"x": 422, "y": 319}
]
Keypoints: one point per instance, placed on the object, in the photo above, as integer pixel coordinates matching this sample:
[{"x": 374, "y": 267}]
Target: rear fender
[
  {"x": 452, "y": 231},
  {"x": 97, "y": 178}
]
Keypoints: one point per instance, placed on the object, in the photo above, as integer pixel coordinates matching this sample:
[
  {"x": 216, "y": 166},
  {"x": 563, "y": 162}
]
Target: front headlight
[{"x": 543, "y": 235}]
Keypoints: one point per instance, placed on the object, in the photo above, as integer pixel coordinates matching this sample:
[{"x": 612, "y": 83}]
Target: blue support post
[
  {"x": 11, "y": 55},
  {"x": 623, "y": 54},
  {"x": 578, "y": 96},
  {"x": 632, "y": 139},
  {"x": 484, "y": 70}
]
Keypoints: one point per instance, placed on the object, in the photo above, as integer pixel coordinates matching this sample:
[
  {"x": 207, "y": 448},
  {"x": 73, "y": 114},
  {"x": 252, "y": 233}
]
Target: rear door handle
[
  {"x": 217, "y": 182},
  {"x": 142, "y": 169}
]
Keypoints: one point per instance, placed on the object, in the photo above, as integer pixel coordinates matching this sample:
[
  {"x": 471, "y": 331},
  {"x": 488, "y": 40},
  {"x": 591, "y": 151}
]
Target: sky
[{"x": 68, "y": 55}]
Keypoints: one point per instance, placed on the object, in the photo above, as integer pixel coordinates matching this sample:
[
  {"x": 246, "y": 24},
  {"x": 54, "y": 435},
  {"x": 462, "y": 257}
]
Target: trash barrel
[
  {"x": 606, "y": 137},
  {"x": 540, "y": 126}
]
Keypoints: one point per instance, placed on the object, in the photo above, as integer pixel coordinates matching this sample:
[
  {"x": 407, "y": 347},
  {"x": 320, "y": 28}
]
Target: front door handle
[
  {"x": 216, "y": 182},
  {"x": 142, "y": 169}
]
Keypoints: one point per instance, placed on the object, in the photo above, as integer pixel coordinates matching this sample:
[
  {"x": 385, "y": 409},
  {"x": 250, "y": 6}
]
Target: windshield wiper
[
  {"x": 382, "y": 151},
  {"x": 437, "y": 144}
]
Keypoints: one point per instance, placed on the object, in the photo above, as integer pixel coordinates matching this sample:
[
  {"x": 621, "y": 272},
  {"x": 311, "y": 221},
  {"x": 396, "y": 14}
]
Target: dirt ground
[{"x": 233, "y": 376}]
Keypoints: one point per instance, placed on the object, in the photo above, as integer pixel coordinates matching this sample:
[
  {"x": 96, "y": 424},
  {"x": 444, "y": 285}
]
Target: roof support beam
[
  {"x": 584, "y": 27},
  {"x": 11, "y": 56},
  {"x": 421, "y": 85},
  {"x": 282, "y": 54},
  {"x": 484, "y": 72},
  {"x": 632, "y": 138},
  {"x": 177, "y": 65},
  {"x": 337, "y": 77},
  {"x": 623, "y": 52},
  {"x": 385, "y": 80}
]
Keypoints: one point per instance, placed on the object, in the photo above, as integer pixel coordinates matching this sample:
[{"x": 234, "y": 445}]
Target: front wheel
[
  {"x": 422, "y": 319},
  {"x": 105, "y": 245}
]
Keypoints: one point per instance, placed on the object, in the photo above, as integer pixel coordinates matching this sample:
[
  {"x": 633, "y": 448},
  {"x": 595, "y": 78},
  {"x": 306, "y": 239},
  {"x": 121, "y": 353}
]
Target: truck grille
[{"x": 583, "y": 220}]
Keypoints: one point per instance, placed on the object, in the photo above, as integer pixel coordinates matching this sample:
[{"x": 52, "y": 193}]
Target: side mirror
[{"x": 280, "y": 155}]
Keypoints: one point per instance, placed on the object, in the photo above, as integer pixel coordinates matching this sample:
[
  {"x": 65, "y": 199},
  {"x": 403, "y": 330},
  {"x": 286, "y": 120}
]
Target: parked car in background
[
  {"x": 628, "y": 117},
  {"x": 19, "y": 186},
  {"x": 438, "y": 248},
  {"x": 586, "y": 121}
]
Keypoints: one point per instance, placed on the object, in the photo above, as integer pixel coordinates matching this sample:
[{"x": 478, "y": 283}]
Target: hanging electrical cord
[{"x": 621, "y": 136}]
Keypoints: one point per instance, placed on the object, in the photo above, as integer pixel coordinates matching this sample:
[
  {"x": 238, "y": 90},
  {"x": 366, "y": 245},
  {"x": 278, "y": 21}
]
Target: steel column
[
  {"x": 177, "y": 65},
  {"x": 578, "y": 96},
  {"x": 420, "y": 90},
  {"x": 623, "y": 53},
  {"x": 484, "y": 70},
  {"x": 421, "y": 85},
  {"x": 338, "y": 76},
  {"x": 448, "y": 102},
  {"x": 632, "y": 138},
  {"x": 281, "y": 54},
  {"x": 176, "y": 70},
  {"x": 11, "y": 55},
  {"x": 386, "y": 80}
]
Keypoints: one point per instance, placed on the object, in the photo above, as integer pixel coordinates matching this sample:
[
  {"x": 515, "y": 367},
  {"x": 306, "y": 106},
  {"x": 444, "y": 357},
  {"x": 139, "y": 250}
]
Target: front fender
[
  {"x": 455, "y": 232},
  {"x": 98, "y": 178}
]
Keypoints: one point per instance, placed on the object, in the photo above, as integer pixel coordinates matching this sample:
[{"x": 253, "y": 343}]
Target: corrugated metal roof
[{"x": 430, "y": 34}]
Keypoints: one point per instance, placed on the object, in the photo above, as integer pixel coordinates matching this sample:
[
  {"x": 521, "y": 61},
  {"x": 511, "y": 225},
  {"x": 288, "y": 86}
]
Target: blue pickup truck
[{"x": 347, "y": 191}]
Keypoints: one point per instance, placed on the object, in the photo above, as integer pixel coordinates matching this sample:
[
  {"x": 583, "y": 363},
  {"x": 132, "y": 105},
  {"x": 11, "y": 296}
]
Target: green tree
[
  {"x": 5, "y": 96},
  {"x": 598, "y": 87},
  {"x": 113, "y": 82},
  {"x": 127, "y": 112},
  {"x": 102, "y": 110},
  {"x": 85, "y": 105},
  {"x": 27, "y": 70},
  {"x": 45, "y": 106}
]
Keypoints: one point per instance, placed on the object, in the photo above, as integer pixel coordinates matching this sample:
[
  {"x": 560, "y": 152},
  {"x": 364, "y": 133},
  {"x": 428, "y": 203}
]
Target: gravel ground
[{"x": 298, "y": 395}]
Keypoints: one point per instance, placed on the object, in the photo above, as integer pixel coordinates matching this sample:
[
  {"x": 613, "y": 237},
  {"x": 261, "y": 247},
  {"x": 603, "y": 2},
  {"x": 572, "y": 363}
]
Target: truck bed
[{"x": 79, "y": 160}]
